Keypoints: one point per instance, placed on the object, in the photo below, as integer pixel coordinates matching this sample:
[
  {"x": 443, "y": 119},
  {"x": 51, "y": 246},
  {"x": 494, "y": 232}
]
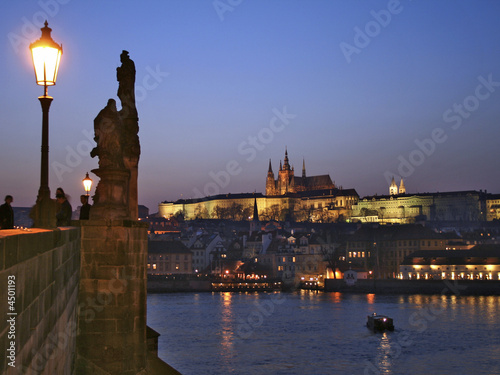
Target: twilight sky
[{"x": 362, "y": 90}]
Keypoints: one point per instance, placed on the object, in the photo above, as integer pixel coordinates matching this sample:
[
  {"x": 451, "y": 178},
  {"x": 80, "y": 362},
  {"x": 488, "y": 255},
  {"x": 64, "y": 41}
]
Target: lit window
[{"x": 154, "y": 266}]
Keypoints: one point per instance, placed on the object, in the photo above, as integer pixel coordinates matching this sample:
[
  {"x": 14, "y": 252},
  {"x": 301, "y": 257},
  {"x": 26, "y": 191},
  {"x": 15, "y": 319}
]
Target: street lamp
[
  {"x": 87, "y": 183},
  {"x": 46, "y": 56}
]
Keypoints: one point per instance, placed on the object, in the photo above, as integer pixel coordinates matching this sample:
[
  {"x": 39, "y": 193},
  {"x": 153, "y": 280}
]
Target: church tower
[
  {"x": 286, "y": 177},
  {"x": 402, "y": 189},
  {"x": 270, "y": 183},
  {"x": 393, "y": 189},
  {"x": 255, "y": 223}
]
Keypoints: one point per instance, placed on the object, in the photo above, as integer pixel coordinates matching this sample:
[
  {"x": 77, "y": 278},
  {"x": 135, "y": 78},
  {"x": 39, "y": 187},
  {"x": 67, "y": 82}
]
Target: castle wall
[{"x": 325, "y": 206}]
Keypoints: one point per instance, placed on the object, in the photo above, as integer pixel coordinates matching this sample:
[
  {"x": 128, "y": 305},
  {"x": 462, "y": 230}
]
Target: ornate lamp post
[
  {"x": 87, "y": 184},
  {"x": 46, "y": 56}
]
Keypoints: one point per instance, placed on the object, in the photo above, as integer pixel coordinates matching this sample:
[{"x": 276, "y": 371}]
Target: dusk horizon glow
[{"x": 362, "y": 91}]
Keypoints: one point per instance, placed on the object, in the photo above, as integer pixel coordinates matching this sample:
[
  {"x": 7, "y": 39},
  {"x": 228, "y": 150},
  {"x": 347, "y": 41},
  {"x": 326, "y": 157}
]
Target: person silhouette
[{"x": 7, "y": 213}]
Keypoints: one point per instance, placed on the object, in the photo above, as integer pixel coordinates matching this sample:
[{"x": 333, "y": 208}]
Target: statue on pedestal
[
  {"x": 118, "y": 149},
  {"x": 108, "y": 129},
  {"x": 125, "y": 75}
]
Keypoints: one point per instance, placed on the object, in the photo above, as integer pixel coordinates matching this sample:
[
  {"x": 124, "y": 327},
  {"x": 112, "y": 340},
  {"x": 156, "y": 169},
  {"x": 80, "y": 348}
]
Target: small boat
[{"x": 379, "y": 323}]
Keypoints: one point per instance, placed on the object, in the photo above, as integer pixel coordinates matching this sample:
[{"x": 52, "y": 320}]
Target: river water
[{"x": 325, "y": 333}]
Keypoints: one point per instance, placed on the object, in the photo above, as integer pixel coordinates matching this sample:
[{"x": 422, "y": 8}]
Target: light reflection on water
[{"x": 325, "y": 333}]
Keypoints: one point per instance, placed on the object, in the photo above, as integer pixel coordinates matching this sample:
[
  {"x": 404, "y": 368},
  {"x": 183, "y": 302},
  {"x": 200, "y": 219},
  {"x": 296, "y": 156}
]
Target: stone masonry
[
  {"x": 112, "y": 313},
  {"x": 45, "y": 268}
]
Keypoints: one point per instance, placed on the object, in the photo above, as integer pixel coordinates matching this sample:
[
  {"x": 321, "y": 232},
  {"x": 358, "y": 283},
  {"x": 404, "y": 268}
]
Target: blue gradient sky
[{"x": 211, "y": 76}]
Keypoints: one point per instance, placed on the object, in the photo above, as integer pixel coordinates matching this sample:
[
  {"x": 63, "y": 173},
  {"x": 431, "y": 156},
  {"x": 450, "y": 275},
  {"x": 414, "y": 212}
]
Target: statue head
[
  {"x": 112, "y": 104},
  {"x": 124, "y": 56}
]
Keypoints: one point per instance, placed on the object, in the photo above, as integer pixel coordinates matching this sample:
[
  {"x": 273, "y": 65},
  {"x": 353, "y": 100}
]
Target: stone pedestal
[
  {"x": 111, "y": 197},
  {"x": 112, "y": 298},
  {"x": 44, "y": 213},
  {"x": 133, "y": 203}
]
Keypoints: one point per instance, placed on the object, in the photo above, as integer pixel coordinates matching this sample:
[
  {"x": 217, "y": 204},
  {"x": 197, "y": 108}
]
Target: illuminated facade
[
  {"x": 394, "y": 190},
  {"x": 409, "y": 208},
  {"x": 313, "y": 198},
  {"x": 296, "y": 260},
  {"x": 493, "y": 207},
  {"x": 287, "y": 182},
  {"x": 381, "y": 249},
  {"x": 482, "y": 262}
]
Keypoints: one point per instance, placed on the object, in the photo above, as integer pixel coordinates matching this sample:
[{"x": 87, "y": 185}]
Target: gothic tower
[
  {"x": 304, "y": 178},
  {"x": 270, "y": 183},
  {"x": 286, "y": 177}
]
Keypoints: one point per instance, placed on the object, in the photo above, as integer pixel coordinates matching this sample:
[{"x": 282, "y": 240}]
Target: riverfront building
[
  {"x": 381, "y": 249},
  {"x": 168, "y": 257},
  {"x": 482, "y": 262}
]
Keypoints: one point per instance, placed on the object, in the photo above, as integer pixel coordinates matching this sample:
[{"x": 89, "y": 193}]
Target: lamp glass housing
[
  {"x": 46, "y": 56},
  {"x": 87, "y": 183}
]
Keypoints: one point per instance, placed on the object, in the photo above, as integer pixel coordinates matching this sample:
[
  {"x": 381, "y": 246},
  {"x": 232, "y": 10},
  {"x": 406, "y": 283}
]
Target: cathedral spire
[
  {"x": 286, "y": 165},
  {"x": 255, "y": 211},
  {"x": 270, "y": 170}
]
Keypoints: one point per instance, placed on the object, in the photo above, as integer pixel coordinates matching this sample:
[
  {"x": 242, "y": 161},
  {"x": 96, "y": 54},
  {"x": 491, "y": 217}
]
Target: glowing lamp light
[
  {"x": 46, "y": 56},
  {"x": 87, "y": 183}
]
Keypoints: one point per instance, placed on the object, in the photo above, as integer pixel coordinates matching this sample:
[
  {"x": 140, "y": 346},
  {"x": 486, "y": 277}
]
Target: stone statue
[
  {"x": 107, "y": 135},
  {"x": 125, "y": 74},
  {"x": 118, "y": 148}
]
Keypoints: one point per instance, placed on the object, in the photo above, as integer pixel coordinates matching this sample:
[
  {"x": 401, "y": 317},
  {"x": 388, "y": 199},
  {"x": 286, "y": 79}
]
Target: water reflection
[
  {"x": 370, "y": 298},
  {"x": 326, "y": 333},
  {"x": 227, "y": 329},
  {"x": 335, "y": 297},
  {"x": 385, "y": 355}
]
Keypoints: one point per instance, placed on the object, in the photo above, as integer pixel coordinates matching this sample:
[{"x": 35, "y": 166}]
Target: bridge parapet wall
[{"x": 39, "y": 272}]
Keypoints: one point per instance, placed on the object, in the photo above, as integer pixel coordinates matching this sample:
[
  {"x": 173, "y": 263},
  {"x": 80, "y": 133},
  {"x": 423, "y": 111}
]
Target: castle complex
[
  {"x": 313, "y": 198},
  {"x": 318, "y": 199}
]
